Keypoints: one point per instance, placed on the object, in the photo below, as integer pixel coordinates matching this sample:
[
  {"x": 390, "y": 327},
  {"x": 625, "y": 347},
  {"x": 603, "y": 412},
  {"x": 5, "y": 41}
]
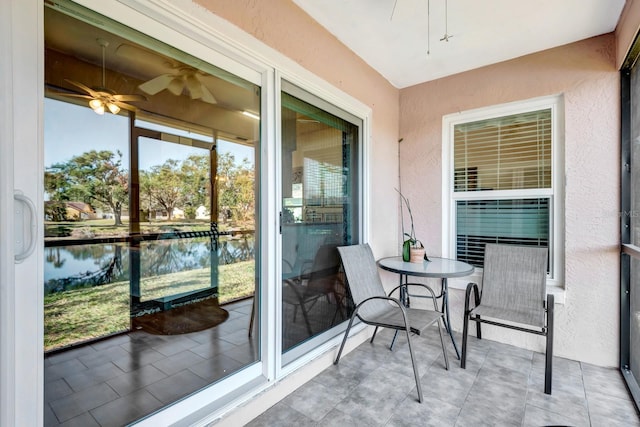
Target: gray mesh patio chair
[
  {"x": 513, "y": 290},
  {"x": 374, "y": 307},
  {"x": 319, "y": 282}
]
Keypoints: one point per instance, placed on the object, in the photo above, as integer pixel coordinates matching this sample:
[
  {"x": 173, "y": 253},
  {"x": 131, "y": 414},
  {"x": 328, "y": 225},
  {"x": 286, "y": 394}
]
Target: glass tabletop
[{"x": 436, "y": 267}]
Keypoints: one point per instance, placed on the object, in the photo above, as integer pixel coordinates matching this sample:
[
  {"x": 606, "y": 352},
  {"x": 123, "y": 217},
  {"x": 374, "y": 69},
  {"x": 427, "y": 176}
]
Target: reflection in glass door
[
  {"x": 150, "y": 222},
  {"x": 174, "y": 245},
  {"x": 319, "y": 213}
]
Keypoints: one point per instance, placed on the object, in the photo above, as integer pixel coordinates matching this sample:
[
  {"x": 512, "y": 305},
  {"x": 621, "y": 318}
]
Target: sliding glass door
[
  {"x": 150, "y": 218},
  {"x": 320, "y": 212},
  {"x": 143, "y": 298}
]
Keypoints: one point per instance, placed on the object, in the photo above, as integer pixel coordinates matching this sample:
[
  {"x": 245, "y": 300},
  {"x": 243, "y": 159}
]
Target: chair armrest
[
  {"x": 293, "y": 285},
  {"x": 427, "y": 287},
  {"x": 394, "y": 300},
  {"x": 471, "y": 288}
]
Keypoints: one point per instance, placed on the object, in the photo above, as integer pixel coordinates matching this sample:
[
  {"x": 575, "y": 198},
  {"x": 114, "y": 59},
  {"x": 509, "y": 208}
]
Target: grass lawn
[{"x": 81, "y": 314}]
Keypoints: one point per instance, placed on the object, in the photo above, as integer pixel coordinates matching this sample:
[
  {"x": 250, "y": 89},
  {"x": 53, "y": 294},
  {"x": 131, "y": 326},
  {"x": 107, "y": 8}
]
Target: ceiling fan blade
[
  {"x": 69, "y": 95},
  {"x": 156, "y": 84},
  {"x": 207, "y": 96},
  {"x": 87, "y": 89},
  {"x": 194, "y": 86},
  {"x": 176, "y": 86},
  {"x": 126, "y": 106},
  {"x": 130, "y": 98}
]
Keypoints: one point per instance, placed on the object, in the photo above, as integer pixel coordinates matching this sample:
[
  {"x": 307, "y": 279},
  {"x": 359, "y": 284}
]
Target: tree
[
  {"x": 235, "y": 187},
  {"x": 245, "y": 189},
  {"x": 164, "y": 183},
  {"x": 195, "y": 183},
  {"x": 96, "y": 177},
  {"x": 55, "y": 211}
]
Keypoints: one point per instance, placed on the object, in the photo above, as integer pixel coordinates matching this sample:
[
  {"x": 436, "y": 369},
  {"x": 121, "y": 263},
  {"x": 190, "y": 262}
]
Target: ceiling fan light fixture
[
  {"x": 97, "y": 105},
  {"x": 113, "y": 108},
  {"x": 100, "y": 98}
]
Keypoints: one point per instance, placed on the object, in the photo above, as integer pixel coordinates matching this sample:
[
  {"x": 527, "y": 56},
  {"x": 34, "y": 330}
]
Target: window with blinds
[
  {"x": 502, "y": 182},
  {"x": 510, "y": 221},
  {"x": 504, "y": 153}
]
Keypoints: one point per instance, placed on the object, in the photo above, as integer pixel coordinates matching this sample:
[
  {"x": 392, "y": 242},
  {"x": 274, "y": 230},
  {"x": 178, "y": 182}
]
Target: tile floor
[
  {"x": 118, "y": 380},
  {"x": 121, "y": 379},
  {"x": 502, "y": 386}
]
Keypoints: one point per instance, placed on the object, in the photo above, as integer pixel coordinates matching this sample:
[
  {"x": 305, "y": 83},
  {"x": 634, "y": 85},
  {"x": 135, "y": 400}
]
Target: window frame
[{"x": 555, "y": 193}]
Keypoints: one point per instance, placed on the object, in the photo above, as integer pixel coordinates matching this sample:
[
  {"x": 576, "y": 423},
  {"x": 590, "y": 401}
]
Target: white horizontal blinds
[
  {"x": 324, "y": 156},
  {"x": 504, "y": 153},
  {"x": 510, "y": 221},
  {"x": 510, "y": 153}
]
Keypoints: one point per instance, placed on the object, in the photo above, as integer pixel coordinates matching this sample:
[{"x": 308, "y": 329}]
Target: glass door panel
[
  {"x": 174, "y": 242},
  {"x": 150, "y": 222},
  {"x": 86, "y": 222},
  {"x": 319, "y": 213}
]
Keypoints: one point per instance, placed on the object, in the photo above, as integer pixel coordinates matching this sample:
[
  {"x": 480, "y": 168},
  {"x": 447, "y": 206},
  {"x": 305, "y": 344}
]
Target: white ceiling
[{"x": 484, "y": 31}]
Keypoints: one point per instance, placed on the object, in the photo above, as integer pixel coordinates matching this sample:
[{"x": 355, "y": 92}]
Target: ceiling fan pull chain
[
  {"x": 428, "y": 27},
  {"x": 446, "y": 36},
  {"x": 103, "y": 43}
]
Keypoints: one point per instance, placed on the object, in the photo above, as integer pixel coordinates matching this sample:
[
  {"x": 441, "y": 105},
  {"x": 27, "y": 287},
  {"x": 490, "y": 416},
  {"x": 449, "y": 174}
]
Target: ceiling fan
[
  {"x": 178, "y": 78},
  {"x": 101, "y": 98},
  {"x": 183, "y": 77}
]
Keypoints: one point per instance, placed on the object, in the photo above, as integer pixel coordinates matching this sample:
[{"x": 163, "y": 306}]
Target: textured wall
[
  {"x": 587, "y": 325},
  {"x": 285, "y": 27},
  {"x": 584, "y": 72}
]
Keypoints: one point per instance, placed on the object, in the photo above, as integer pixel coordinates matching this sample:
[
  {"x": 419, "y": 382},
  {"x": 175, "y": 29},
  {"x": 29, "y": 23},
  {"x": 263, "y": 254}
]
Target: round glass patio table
[{"x": 439, "y": 268}]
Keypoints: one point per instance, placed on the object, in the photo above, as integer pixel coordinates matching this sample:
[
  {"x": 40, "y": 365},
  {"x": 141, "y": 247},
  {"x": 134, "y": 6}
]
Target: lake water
[{"x": 69, "y": 267}]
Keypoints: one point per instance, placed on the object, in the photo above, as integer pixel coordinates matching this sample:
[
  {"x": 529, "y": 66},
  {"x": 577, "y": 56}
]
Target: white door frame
[{"x": 21, "y": 370}]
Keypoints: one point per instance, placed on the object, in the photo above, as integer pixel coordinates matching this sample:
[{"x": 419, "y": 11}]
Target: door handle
[{"x": 23, "y": 231}]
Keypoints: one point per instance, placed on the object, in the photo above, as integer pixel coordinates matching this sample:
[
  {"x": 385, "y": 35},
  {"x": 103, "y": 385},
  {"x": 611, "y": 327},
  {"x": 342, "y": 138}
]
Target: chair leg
[
  {"x": 253, "y": 315},
  {"x": 305, "y": 315},
  {"x": 375, "y": 331},
  {"x": 548, "y": 368},
  {"x": 444, "y": 348},
  {"x": 465, "y": 332},
  {"x": 346, "y": 334},
  {"x": 415, "y": 367},
  {"x": 393, "y": 340},
  {"x": 478, "y": 329}
]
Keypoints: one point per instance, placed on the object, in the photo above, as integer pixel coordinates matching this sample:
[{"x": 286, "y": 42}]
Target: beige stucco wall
[
  {"x": 584, "y": 72},
  {"x": 587, "y": 325},
  {"x": 285, "y": 27}
]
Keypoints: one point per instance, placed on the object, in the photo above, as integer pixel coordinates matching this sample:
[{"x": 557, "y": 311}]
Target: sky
[{"x": 70, "y": 130}]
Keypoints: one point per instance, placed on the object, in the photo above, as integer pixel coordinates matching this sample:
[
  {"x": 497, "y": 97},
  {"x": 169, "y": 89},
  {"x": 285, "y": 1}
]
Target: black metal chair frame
[
  {"x": 406, "y": 327},
  {"x": 546, "y": 331}
]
